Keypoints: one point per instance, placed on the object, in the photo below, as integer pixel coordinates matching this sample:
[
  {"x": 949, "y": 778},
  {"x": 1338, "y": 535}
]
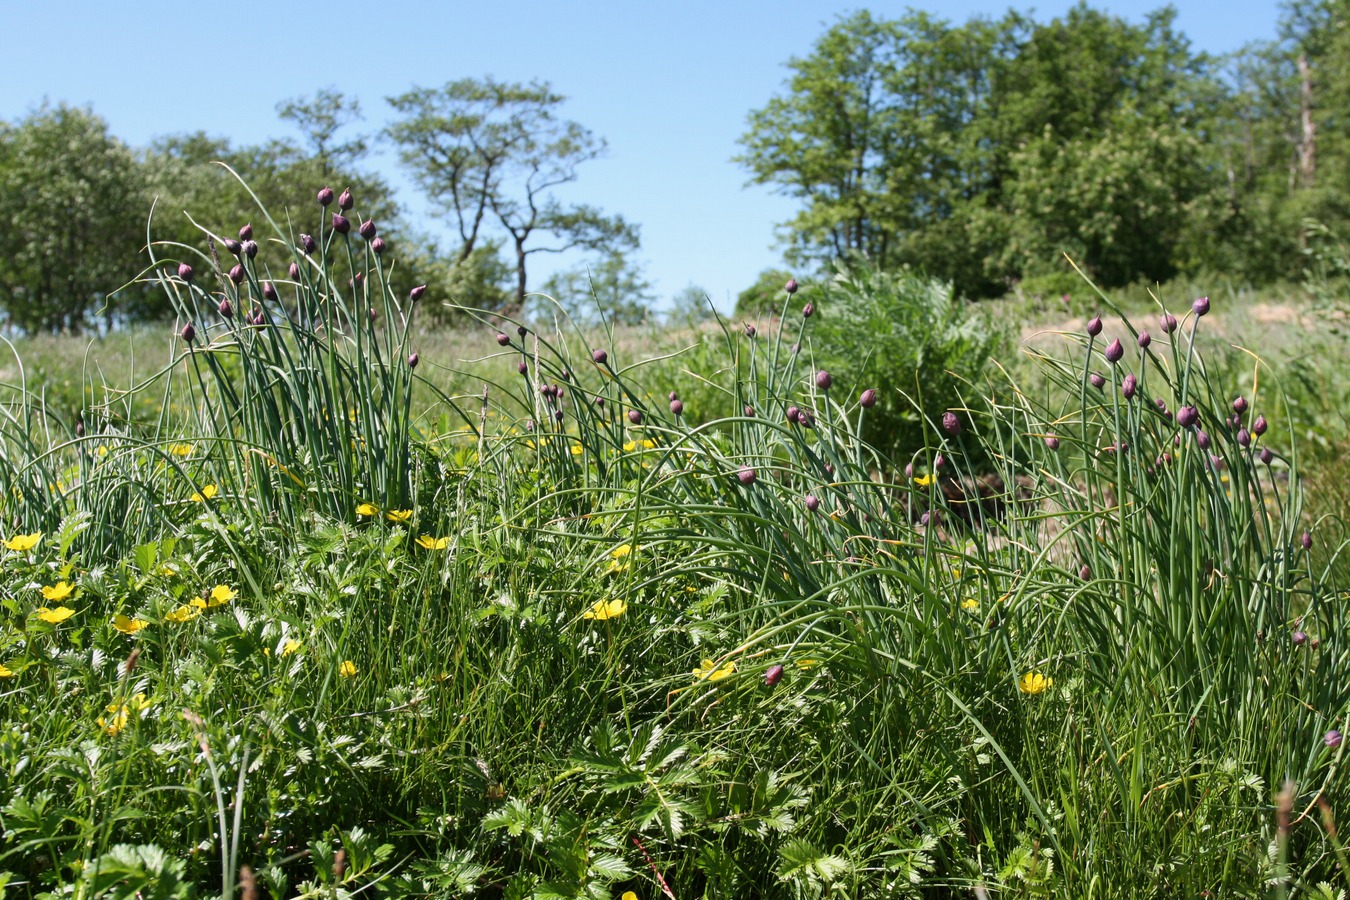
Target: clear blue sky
[{"x": 667, "y": 85}]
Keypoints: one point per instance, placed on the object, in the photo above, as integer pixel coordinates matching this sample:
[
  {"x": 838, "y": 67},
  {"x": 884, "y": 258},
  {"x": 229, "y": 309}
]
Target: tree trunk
[{"x": 1307, "y": 148}]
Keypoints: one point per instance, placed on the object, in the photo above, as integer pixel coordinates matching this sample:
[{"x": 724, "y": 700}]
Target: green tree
[
  {"x": 489, "y": 153},
  {"x": 76, "y": 206},
  {"x": 689, "y": 307},
  {"x": 612, "y": 289},
  {"x": 319, "y": 119}
]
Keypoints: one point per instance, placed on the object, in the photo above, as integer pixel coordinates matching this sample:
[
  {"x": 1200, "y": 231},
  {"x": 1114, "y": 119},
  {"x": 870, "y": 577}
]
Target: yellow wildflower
[
  {"x": 183, "y": 614},
  {"x": 428, "y": 542},
  {"x": 712, "y": 672},
  {"x": 577, "y": 449},
  {"x": 121, "y": 713},
  {"x": 167, "y": 570},
  {"x": 645, "y": 444},
  {"x": 22, "y": 543},
  {"x": 401, "y": 516},
  {"x": 970, "y": 603},
  {"x": 347, "y": 669},
  {"x": 605, "y": 609},
  {"x": 205, "y": 493},
  {"x": 128, "y": 626},
  {"x": 367, "y": 509},
  {"x": 1034, "y": 683},
  {"x": 197, "y": 603},
  {"x": 5, "y": 671},
  {"x": 55, "y": 616},
  {"x": 60, "y": 591},
  {"x": 102, "y": 450},
  {"x": 180, "y": 449},
  {"x": 629, "y": 895},
  {"x": 290, "y": 646},
  {"x": 220, "y": 595},
  {"x": 924, "y": 480}
]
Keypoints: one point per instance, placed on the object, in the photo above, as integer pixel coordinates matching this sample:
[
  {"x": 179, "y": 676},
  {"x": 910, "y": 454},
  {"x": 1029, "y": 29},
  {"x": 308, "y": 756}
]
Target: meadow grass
[{"x": 289, "y": 615}]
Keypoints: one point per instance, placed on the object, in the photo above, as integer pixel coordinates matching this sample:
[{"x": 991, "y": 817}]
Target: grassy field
[{"x": 291, "y": 612}]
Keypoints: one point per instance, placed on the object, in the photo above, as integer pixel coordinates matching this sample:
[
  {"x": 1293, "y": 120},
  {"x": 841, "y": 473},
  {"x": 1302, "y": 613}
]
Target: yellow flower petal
[
  {"x": 433, "y": 543},
  {"x": 970, "y": 603},
  {"x": 621, "y": 551},
  {"x": 400, "y": 516},
  {"x": 60, "y": 591},
  {"x": 367, "y": 509},
  {"x": 924, "y": 480},
  {"x": 712, "y": 672},
  {"x": 577, "y": 449},
  {"x": 181, "y": 449},
  {"x": 220, "y": 595},
  {"x": 605, "y": 609},
  {"x": 55, "y": 616},
  {"x": 1034, "y": 683},
  {"x": 347, "y": 669},
  {"x": 183, "y": 614},
  {"x": 22, "y": 543},
  {"x": 291, "y": 646},
  {"x": 128, "y": 626},
  {"x": 629, "y": 895},
  {"x": 5, "y": 671},
  {"x": 205, "y": 493}
]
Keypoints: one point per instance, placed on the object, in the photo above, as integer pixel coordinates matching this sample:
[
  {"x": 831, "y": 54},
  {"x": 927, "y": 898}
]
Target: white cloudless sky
[{"x": 669, "y": 87}]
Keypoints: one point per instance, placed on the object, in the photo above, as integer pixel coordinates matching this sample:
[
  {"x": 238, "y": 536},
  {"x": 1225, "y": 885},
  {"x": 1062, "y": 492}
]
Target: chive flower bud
[
  {"x": 1244, "y": 438},
  {"x": 750, "y": 330},
  {"x": 824, "y": 379},
  {"x": 1097, "y": 381},
  {"x": 377, "y": 246},
  {"x": 749, "y": 412},
  {"x": 1187, "y": 416},
  {"x": 1129, "y": 386},
  {"x": 293, "y": 271},
  {"x": 677, "y": 407},
  {"x": 237, "y": 274},
  {"x": 600, "y": 357},
  {"x": 812, "y": 503},
  {"x": 1114, "y": 351},
  {"x": 1240, "y": 405},
  {"x": 503, "y": 340},
  {"x": 939, "y": 461},
  {"x": 521, "y": 367},
  {"x": 1202, "y": 439},
  {"x": 773, "y": 676},
  {"x": 269, "y": 292},
  {"x": 234, "y": 246},
  {"x": 345, "y": 200},
  {"x": 635, "y": 416},
  {"x": 1259, "y": 426},
  {"x": 416, "y": 293},
  {"x": 1332, "y": 739},
  {"x": 308, "y": 244},
  {"x": 367, "y": 229},
  {"x": 413, "y": 360},
  {"x": 246, "y": 233},
  {"x": 520, "y": 329},
  {"x": 1052, "y": 442},
  {"x": 185, "y": 271},
  {"x": 1306, "y": 541},
  {"x": 1144, "y": 340},
  {"x": 1299, "y": 638},
  {"x": 1085, "y": 573},
  {"x": 250, "y": 249},
  {"x": 340, "y": 223},
  {"x": 1169, "y": 322},
  {"x": 325, "y": 196},
  {"x": 1094, "y": 326},
  {"x": 808, "y": 310},
  {"x": 1266, "y": 456},
  {"x": 188, "y": 333},
  {"x": 951, "y": 424},
  {"x": 226, "y": 311},
  {"x": 868, "y": 398},
  {"x": 746, "y": 476},
  {"x": 791, "y": 286},
  {"x": 1200, "y": 306},
  {"x": 793, "y": 414}
]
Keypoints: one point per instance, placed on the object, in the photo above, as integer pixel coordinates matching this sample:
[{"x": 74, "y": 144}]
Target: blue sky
[{"x": 667, "y": 85}]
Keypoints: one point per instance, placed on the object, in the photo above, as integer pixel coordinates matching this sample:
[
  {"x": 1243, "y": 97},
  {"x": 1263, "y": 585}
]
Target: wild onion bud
[
  {"x": 521, "y": 367},
  {"x": 356, "y": 281},
  {"x": 345, "y": 200},
  {"x": 1259, "y": 426},
  {"x": 340, "y": 223},
  {"x": 269, "y": 292},
  {"x": 1200, "y": 306},
  {"x": 374, "y": 315},
  {"x": 951, "y": 424},
  {"x": 909, "y": 470},
  {"x": 237, "y": 274},
  {"x": 677, "y": 407},
  {"x": 246, "y": 233},
  {"x": 750, "y": 330},
  {"x": 1052, "y": 442},
  {"x": 377, "y": 246},
  {"x": 1187, "y": 416},
  {"x": 746, "y": 476},
  {"x": 791, "y": 286},
  {"x": 558, "y": 415},
  {"x": 234, "y": 246},
  {"x": 749, "y": 412},
  {"x": 1085, "y": 573},
  {"x": 1129, "y": 386},
  {"x": 1244, "y": 438},
  {"x": 673, "y": 395},
  {"x": 1094, "y": 326},
  {"x": 793, "y": 414},
  {"x": 367, "y": 229},
  {"x": 413, "y": 360},
  {"x": 293, "y": 272},
  {"x": 325, "y": 196},
  {"x": 520, "y": 329},
  {"x": 1306, "y": 541},
  {"x": 599, "y": 401},
  {"x": 226, "y": 311},
  {"x": 503, "y": 340},
  {"x": 1114, "y": 351},
  {"x": 308, "y": 244},
  {"x": 1299, "y": 638},
  {"x": 1240, "y": 405},
  {"x": 806, "y": 419},
  {"x": 1266, "y": 456},
  {"x": 808, "y": 310},
  {"x": 939, "y": 461},
  {"x": 1333, "y": 739},
  {"x": 1144, "y": 340},
  {"x": 188, "y": 333},
  {"x": 416, "y": 293},
  {"x": 868, "y": 399},
  {"x": 1202, "y": 440},
  {"x": 250, "y": 249},
  {"x": 824, "y": 380},
  {"x": 773, "y": 675},
  {"x": 599, "y": 357},
  {"x": 185, "y": 271},
  {"x": 812, "y": 503},
  {"x": 635, "y": 416},
  {"x": 1097, "y": 381}
]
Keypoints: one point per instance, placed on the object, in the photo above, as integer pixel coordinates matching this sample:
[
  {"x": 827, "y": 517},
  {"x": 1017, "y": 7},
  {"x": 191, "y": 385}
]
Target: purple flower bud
[
  {"x": 749, "y": 412},
  {"x": 340, "y": 223},
  {"x": 250, "y": 249},
  {"x": 1259, "y": 426},
  {"x": 1266, "y": 456},
  {"x": 356, "y": 281},
  {"x": 367, "y": 229},
  {"x": 1158, "y": 402},
  {"x": 1052, "y": 442},
  {"x": 746, "y": 476},
  {"x": 1299, "y": 638},
  {"x": 503, "y": 340},
  {"x": 413, "y": 360},
  {"x": 635, "y": 416},
  {"x": 1114, "y": 351},
  {"x": 775, "y": 673},
  {"x": 520, "y": 329},
  {"x": 929, "y": 517},
  {"x": 246, "y": 233},
  {"x": 188, "y": 333},
  {"x": 185, "y": 271},
  {"x": 345, "y": 200},
  {"x": 377, "y": 246},
  {"x": 226, "y": 311},
  {"x": 1306, "y": 541},
  {"x": 868, "y": 399},
  {"x": 294, "y": 272},
  {"x": 806, "y": 418},
  {"x": 824, "y": 380},
  {"x": 1244, "y": 438},
  {"x": 1129, "y": 386},
  {"x": 600, "y": 401},
  {"x": 1200, "y": 306},
  {"x": 558, "y": 415},
  {"x": 812, "y": 503},
  {"x": 673, "y": 395},
  {"x": 1085, "y": 573},
  {"x": 1097, "y": 381},
  {"x": 951, "y": 424},
  {"x": 909, "y": 470},
  {"x": 234, "y": 246},
  {"x": 237, "y": 274},
  {"x": 1094, "y": 326},
  {"x": 374, "y": 315},
  {"x": 521, "y": 367},
  {"x": 325, "y": 196},
  {"x": 796, "y": 348},
  {"x": 1169, "y": 322},
  {"x": 793, "y": 414},
  {"x": 269, "y": 292},
  {"x": 1240, "y": 405},
  {"x": 1187, "y": 416},
  {"x": 1144, "y": 339},
  {"x": 1202, "y": 440},
  {"x": 600, "y": 357},
  {"x": 791, "y": 286},
  {"x": 808, "y": 310},
  {"x": 750, "y": 330},
  {"x": 1332, "y": 739},
  {"x": 939, "y": 461},
  {"x": 677, "y": 407},
  {"x": 308, "y": 244}
]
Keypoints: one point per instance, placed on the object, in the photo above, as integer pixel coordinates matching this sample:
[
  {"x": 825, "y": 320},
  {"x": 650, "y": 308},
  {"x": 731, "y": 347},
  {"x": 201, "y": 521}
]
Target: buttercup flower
[
  {"x": 605, "y": 609},
  {"x": 55, "y": 616},
  {"x": 59, "y": 591},
  {"x": 6, "y": 672},
  {"x": 970, "y": 603},
  {"x": 180, "y": 449},
  {"x": 1034, "y": 683},
  {"x": 401, "y": 516},
  {"x": 22, "y": 543},
  {"x": 427, "y": 542},
  {"x": 205, "y": 493},
  {"x": 183, "y": 614},
  {"x": 707, "y": 670},
  {"x": 289, "y": 647},
  {"x": 120, "y": 713},
  {"x": 367, "y": 509},
  {"x": 127, "y": 625},
  {"x": 220, "y": 595},
  {"x": 347, "y": 669}
]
